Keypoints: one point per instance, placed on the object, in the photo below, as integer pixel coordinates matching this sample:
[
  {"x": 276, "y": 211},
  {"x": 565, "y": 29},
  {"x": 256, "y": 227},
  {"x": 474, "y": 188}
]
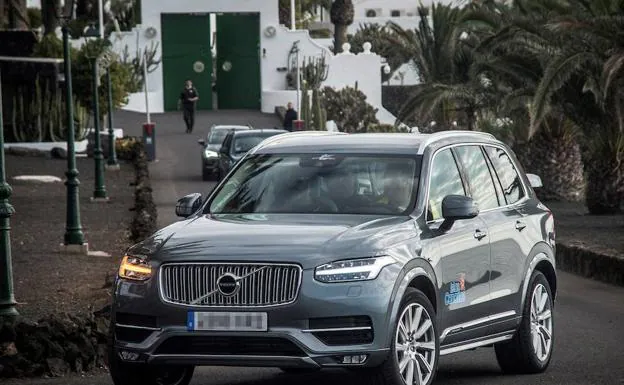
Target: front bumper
[
  {"x": 210, "y": 164},
  {"x": 325, "y": 324}
]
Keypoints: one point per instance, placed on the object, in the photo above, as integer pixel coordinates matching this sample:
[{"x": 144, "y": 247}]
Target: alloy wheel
[
  {"x": 415, "y": 345},
  {"x": 541, "y": 322}
]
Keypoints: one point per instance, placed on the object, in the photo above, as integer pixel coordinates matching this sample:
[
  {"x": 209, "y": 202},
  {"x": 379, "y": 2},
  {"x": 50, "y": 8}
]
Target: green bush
[{"x": 349, "y": 109}]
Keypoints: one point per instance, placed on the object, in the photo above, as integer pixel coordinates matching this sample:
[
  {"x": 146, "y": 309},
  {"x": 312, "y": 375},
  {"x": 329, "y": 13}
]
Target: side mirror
[
  {"x": 201, "y": 142},
  {"x": 457, "y": 207},
  {"x": 188, "y": 204},
  {"x": 534, "y": 180},
  {"x": 223, "y": 150}
]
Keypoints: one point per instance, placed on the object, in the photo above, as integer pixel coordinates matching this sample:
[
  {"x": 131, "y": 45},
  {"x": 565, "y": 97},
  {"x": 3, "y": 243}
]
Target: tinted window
[
  {"x": 479, "y": 177},
  {"x": 320, "y": 183},
  {"x": 445, "y": 180},
  {"x": 217, "y": 136},
  {"x": 244, "y": 143},
  {"x": 506, "y": 173}
]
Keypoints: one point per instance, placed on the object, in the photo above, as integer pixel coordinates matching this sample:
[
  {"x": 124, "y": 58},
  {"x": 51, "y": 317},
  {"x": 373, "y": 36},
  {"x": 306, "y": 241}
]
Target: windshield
[
  {"x": 313, "y": 183},
  {"x": 217, "y": 136},
  {"x": 244, "y": 143}
]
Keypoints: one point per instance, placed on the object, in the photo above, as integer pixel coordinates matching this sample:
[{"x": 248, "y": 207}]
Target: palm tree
[
  {"x": 443, "y": 64},
  {"x": 586, "y": 65},
  {"x": 514, "y": 50},
  {"x": 341, "y": 14}
]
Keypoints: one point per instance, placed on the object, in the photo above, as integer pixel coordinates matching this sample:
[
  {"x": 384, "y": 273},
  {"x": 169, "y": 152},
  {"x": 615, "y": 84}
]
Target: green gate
[
  {"x": 238, "y": 61},
  {"x": 186, "y": 55}
]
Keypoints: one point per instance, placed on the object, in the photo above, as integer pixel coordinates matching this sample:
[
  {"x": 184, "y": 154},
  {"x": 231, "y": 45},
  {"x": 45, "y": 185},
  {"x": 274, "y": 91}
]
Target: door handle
[
  {"x": 520, "y": 225},
  {"x": 479, "y": 235}
]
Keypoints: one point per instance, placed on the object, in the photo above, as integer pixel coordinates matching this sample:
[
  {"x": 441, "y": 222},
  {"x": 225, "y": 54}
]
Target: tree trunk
[
  {"x": 50, "y": 10},
  {"x": 340, "y": 37},
  {"x": 558, "y": 162}
]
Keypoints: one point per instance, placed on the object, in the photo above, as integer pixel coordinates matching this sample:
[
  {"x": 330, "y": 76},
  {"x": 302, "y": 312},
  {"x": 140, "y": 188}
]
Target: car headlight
[
  {"x": 134, "y": 268},
  {"x": 352, "y": 270},
  {"x": 210, "y": 154}
]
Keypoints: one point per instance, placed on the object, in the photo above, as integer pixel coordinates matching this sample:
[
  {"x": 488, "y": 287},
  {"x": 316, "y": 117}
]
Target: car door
[
  {"x": 464, "y": 255},
  {"x": 484, "y": 188},
  {"x": 509, "y": 239}
]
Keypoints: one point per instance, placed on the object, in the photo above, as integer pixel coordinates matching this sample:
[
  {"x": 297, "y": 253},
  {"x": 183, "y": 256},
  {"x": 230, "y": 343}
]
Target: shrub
[{"x": 349, "y": 109}]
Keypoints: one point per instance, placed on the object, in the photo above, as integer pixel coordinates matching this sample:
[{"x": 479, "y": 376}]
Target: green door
[
  {"x": 186, "y": 55},
  {"x": 238, "y": 61}
]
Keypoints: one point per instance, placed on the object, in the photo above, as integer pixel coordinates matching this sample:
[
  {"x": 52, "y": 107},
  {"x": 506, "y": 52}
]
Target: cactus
[
  {"x": 320, "y": 114},
  {"x": 306, "y": 112}
]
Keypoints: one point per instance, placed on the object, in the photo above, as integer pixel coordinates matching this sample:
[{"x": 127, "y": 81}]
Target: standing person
[
  {"x": 188, "y": 98},
  {"x": 291, "y": 115}
]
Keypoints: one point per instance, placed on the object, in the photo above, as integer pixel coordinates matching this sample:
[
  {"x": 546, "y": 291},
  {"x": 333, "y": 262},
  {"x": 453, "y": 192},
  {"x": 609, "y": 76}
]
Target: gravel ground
[{"x": 46, "y": 280}]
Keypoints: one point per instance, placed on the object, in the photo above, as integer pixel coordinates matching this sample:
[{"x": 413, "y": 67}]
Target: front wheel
[
  {"x": 531, "y": 348},
  {"x": 415, "y": 349},
  {"x": 123, "y": 373}
]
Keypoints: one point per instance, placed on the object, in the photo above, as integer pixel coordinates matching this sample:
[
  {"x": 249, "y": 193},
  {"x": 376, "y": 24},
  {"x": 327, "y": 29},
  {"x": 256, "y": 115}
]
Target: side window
[
  {"x": 445, "y": 180},
  {"x": 506, "y": 173},
  {"x": 479, "y": 177}
]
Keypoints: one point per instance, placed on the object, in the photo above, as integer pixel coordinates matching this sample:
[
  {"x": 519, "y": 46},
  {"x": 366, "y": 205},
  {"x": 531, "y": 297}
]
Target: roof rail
[
  {"x": 276, "y": 138},
  {"x": 434, "y": 137}
]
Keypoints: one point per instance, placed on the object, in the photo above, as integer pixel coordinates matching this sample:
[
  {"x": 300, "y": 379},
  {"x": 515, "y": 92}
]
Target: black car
[
  {"x": 238, "y": 143},
  {"x": 211, "y": 146}
]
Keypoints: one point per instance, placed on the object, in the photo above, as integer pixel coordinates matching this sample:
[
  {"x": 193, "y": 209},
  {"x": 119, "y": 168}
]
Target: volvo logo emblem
[{"x": 228, "y": 285}]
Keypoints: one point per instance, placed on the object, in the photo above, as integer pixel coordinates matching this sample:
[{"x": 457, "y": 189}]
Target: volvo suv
[{"x": 374, "y": 252}]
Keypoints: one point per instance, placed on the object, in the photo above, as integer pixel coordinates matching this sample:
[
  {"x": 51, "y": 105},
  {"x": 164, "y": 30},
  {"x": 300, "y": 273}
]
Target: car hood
[{"x": 309, "y": 240}]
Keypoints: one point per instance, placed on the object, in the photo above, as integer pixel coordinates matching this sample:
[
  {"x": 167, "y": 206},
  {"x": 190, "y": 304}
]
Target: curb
[
  {"x": 590, "y": 264},
  {"x": 145, "y": 220}
]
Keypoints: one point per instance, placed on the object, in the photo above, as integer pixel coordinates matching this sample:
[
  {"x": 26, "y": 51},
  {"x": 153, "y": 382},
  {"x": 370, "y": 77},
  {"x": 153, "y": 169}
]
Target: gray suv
[{"x": 374, "y": 252}]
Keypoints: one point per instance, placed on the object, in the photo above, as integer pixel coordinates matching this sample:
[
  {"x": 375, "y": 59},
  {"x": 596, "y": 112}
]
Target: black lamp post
[
  {"x": 7, "y": 298},
  {"x": 99, "y": 193},
  {"x": 74, "y": 238},
  {"x": 111, "y": 163}
]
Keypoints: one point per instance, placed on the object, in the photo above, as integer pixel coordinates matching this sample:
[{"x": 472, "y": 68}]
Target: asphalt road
[{"x": 589, "y": 316}]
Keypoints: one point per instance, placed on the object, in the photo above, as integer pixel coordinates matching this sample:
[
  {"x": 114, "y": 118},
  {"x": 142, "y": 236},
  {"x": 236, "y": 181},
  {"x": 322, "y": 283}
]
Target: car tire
[
  {"x": 525, "y": 354},
  {"x": 206, "y": 175},
  {"x": 426, "y": 348}
]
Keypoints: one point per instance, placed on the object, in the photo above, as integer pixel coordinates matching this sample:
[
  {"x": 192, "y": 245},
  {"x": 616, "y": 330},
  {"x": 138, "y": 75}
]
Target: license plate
[{"x": 227, "y": 321}]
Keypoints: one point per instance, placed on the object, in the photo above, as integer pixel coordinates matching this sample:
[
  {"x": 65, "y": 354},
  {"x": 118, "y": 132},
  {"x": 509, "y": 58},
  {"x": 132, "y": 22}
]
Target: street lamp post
[
  {"x": 7, "y": 298},
  {"x": 99, "y": 193},
  {"x": 74, "y": 238},
  {"x": 111, "y": 164}
]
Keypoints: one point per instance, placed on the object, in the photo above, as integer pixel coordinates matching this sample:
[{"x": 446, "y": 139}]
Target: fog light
[
  {"x": 357, "y": 359},
  {"x": 128, "y": 356}
]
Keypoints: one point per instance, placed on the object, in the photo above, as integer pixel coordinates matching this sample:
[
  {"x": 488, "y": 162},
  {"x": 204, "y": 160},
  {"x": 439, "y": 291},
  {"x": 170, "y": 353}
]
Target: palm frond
[{"x": 556, "y": 74}]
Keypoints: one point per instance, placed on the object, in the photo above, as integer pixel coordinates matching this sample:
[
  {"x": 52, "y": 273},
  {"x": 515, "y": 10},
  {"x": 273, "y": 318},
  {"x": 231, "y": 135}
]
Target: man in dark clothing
[
  {"x": 188, "y": 99},
  {"x": 291, "y": 115}
]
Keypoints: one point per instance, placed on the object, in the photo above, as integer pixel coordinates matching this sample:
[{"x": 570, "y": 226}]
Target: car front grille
[{"x": 196, "y": 284}]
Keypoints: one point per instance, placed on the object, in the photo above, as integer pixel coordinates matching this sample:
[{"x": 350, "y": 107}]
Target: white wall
[{"x": 344, "y": 69}]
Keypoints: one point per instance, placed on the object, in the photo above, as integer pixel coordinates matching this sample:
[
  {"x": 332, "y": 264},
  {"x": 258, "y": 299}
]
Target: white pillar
[{"x": 292, "y": 15}]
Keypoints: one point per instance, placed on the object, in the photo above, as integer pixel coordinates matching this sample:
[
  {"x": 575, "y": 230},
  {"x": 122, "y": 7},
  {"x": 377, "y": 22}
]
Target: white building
[{"x": 250, "y": 52}]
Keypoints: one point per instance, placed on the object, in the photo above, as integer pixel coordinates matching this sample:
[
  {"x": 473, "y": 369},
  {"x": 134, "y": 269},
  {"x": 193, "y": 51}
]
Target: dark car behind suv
[
  {"x": 373, "y": 252},
  {"x": 211, "y": 146},
  {"x": 237, "y": 143}
]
